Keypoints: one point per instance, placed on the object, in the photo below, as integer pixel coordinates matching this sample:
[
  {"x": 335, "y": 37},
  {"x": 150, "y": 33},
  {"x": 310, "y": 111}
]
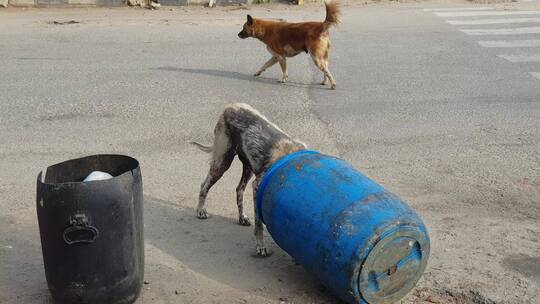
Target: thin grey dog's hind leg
[{"x": 217, "y": 168}]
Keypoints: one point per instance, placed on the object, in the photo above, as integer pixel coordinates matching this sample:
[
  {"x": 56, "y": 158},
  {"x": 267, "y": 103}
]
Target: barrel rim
[
  {"x": 42, "y": 174},
  {"x": 270, "y": 172}
]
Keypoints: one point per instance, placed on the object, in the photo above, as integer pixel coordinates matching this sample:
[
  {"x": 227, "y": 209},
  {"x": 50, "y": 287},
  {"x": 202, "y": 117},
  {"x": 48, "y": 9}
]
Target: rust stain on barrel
[{"x": 392, "y": 270}]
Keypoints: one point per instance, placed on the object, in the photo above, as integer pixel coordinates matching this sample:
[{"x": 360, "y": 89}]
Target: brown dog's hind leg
[
  {"x": 246, "y": 176},
  {"x": 319, "y": 53},
  {"x": 325, "y": 80},
  {"x": 262, "y": 251},
  {"x": 322, "y": 64},
  {"x": 219, "y": 165},
  {"x": 265, "y": 66}
]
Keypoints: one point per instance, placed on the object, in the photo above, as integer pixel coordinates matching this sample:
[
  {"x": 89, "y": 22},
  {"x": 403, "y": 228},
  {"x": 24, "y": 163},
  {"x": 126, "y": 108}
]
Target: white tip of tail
[{"x": 207, "y": 149}]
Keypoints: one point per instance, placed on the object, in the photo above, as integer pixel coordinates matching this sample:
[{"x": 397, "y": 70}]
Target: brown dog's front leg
[
  {"x": 265, "y": 66},
  {"x": 262, "y": 251},
  {"x": 283, "y": 64}
]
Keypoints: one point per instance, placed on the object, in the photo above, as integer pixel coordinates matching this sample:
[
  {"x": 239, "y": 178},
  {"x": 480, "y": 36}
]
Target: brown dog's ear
[{"x": 249, "y": 20}]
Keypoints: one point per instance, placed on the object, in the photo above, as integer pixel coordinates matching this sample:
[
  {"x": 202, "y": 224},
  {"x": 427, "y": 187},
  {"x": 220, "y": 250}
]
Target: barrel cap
[{"x": 394, "y": 264}]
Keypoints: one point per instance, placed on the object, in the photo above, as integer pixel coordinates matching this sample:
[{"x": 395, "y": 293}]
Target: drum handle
[{"x": 79, "y": 231}]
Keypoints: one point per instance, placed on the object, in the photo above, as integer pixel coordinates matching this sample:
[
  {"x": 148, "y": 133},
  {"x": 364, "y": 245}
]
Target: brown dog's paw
[
  {"x": 257, "y": 74},
  {"x": 333, "y": 87},
  {"x": 244, "y": 221},
  {"x": 202, "y": 214}
]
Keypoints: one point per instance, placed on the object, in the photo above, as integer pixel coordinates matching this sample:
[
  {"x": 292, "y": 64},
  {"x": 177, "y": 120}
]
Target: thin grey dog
[{"x": 241, "y": 130}]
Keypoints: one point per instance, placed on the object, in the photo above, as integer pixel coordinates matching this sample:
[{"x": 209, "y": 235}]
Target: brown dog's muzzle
[{"x": 243, "y": 35}]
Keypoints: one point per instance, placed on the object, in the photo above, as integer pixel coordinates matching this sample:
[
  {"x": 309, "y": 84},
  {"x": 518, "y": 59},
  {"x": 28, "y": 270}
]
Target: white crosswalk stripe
[
  {"x": 521, "y": 58},
  {"x": 504, "y": 31},
  {"x": 487, "y": 16},
  {"x": 458, "y": 9},
  {"x": 494, "y": 21},
  {"x": 486, "y": 13},
  {"x": 510, "y": 43}
]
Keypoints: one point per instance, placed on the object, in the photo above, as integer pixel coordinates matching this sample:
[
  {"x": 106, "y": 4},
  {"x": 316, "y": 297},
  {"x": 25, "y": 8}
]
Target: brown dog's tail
[
  {"x": 333, "y": 13},
  {"x": 207, "y": 149}
]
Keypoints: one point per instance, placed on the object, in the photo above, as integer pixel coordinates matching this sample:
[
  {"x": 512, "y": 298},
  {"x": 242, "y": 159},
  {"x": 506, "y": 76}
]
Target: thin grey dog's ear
[{"x": 249, "y": 19}]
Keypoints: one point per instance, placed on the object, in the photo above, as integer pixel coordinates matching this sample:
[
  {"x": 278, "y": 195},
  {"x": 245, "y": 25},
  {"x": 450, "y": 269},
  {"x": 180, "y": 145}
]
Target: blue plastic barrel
[{"x": 361, "y": 241}]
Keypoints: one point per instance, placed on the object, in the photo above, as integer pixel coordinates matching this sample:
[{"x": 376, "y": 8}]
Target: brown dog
[{"x": 285, "y": 39}]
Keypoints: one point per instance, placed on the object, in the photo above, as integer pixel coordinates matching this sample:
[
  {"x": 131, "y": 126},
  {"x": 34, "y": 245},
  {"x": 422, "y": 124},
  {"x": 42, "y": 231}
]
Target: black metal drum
[{"x": 92, "y": 232}]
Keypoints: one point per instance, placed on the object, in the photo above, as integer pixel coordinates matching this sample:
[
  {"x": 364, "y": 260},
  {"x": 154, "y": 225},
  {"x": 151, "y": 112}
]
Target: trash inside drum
[
  {"x": 92, "y": 232},
  {"x": 361, "y": 241}
]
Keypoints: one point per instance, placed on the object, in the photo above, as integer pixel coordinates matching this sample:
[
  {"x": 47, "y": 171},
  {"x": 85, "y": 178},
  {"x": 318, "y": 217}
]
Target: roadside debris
[
  {"x": 141, "y": 3},
  {"x": 152, "y": 4},
  {"x": 63, "y": 22},
  {"x": 241, "y": 6},
  {"x": 97, "y": 175}
]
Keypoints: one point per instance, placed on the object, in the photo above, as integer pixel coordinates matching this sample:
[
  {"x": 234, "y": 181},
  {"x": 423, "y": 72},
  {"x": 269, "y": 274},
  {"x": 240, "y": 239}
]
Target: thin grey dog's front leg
[
  {"x": 260, "y": 247},
  {"x": 246, "y": 175}
]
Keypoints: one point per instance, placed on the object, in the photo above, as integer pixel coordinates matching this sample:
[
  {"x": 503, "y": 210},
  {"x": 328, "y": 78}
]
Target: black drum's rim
[{"x": 41, "y": 178}]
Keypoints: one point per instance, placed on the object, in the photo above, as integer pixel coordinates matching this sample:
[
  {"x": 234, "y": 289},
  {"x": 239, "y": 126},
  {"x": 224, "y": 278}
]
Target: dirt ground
[{"x": 200, "y": 262}]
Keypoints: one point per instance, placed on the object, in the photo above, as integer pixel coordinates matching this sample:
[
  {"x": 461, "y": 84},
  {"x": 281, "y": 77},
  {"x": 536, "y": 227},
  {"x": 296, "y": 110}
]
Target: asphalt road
[{"x": 420, "y": 107}]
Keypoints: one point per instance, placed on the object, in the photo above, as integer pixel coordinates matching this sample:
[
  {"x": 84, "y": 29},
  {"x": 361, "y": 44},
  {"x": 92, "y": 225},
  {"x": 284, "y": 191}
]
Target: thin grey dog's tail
[{"x": 207, "y": 149}]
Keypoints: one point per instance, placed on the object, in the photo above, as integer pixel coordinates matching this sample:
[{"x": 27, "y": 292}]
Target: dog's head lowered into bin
[{"x": 92, "y": 232}]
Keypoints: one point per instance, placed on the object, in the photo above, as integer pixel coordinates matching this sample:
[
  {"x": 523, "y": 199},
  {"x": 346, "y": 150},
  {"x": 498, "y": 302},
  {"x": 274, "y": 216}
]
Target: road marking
[
  {"x": 494, "y": 21},
  {"x": 486, "y": 13},
  {"x": 509, "y": 43},
  {"x": 489, "y": 11},
  {"x": 457, "y": 9},
  {"x": 521, "y": 58},
  {"x": 504, "y": 31}
]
